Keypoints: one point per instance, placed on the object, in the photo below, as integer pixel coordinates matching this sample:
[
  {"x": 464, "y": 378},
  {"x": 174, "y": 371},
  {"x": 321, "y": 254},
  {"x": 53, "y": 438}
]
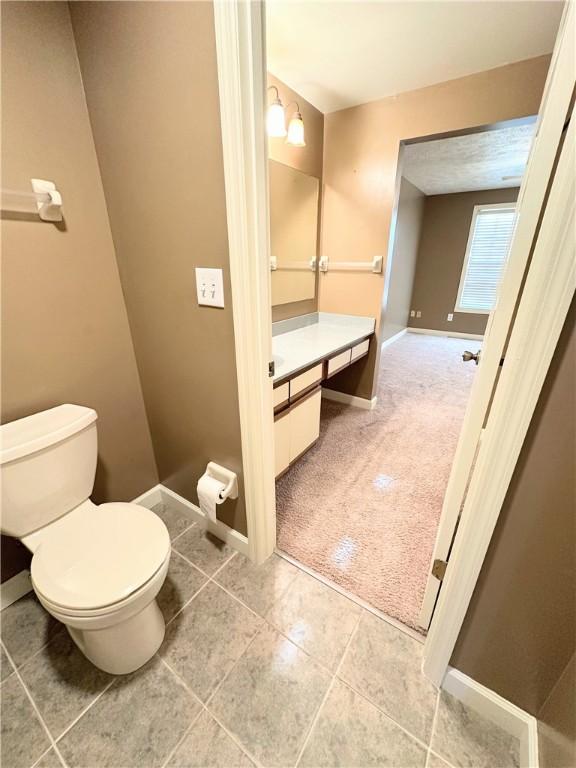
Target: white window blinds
[{"x": 486, "y": 254}]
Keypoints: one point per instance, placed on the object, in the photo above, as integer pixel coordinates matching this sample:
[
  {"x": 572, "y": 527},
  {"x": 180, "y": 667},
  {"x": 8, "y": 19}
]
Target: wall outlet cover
[
  {"x": 209, "y": 287},
  {"x": 418, "y": 313},
  {"x": 450, "y": 317},
  {"x": 412, "y": 313}
]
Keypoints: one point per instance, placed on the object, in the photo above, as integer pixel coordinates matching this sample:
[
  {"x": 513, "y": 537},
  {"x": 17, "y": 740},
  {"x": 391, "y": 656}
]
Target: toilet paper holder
[{"x": 224, "y": 476}]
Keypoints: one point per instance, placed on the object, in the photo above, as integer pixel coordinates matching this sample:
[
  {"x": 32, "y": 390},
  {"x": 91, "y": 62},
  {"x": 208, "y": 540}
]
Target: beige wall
[
  {"x": 445, "y": 230},
  {"x": 402, "y": 265},
  {"x": 65, "y": 334},
  {"x": 308, "y": 159},
  {"x": 361, "y": 147},
  {"x": 150, "y": 78},
  {"x": 520, "y": 630},
  {"x": 557, "y": 722}
]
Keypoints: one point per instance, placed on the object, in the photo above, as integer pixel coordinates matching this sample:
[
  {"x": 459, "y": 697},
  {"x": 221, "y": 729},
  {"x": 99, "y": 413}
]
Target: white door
[{"x": 553, "y": 114}]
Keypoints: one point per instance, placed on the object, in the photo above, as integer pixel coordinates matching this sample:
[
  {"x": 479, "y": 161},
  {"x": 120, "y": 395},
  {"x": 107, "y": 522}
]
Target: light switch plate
[
  {"x": 412, "y": 313},
  {"x": 210, "y": 287}
]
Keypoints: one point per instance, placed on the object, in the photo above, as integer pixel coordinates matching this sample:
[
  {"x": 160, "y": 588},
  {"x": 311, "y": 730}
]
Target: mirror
[{"x": 294, "y": 199}]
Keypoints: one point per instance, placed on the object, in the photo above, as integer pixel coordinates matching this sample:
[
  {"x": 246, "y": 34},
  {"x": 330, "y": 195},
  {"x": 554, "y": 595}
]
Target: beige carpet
[{"x": 363, "y": 505}]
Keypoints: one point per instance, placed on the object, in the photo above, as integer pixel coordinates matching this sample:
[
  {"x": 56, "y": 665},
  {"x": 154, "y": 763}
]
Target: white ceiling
[
  {"x": 465, "y": 163},
  {"x": 337, "y": 54}
]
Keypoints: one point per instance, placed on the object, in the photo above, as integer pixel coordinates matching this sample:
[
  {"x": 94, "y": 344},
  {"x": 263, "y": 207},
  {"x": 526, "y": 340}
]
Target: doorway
[
  {"x": 260, "y": 527},
  {"x": 361, "y": 507}
]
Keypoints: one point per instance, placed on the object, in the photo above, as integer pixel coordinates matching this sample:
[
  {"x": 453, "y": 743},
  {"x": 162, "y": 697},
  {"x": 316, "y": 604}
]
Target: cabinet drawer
[
  {"x": 304, "y": 424},
  {"x": 360, "y": 349},
  {"x": 305, "y": 380},
  {"x": 282, "y": 443},
  {"x": 338, "y": 362},
  {"x": 280, "y": 395}
]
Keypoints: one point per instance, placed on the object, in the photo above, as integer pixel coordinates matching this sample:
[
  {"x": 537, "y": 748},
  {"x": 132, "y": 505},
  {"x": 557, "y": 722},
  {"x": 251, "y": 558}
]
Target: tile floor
[{"x": 260, "y": 666}]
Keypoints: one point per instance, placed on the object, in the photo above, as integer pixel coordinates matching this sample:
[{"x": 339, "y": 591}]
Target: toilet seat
[
  {"x": 128, "y": 604},
  {"x": 96, "y": 558}
]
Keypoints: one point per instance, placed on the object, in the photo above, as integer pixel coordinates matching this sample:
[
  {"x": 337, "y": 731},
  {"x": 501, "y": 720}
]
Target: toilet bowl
[
  {"x": 98, "y": 571},
  {"x": 95, "y": 568}
]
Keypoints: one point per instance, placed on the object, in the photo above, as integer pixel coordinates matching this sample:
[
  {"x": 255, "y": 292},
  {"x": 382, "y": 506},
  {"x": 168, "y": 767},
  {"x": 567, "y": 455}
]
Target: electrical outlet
[
  {"x": 450, "y": 317},
  {"x": 418, "y": 313},
  {"x": 412, "y": 313},
  {"x": 209, "y": 287}
]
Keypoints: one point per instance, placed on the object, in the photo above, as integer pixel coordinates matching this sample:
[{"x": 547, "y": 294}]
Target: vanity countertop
[{"x": 321, "y": 335}]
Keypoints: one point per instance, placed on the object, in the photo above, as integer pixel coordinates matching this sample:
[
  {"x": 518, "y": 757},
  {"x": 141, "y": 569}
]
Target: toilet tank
[{"x": 47, "y": 465}]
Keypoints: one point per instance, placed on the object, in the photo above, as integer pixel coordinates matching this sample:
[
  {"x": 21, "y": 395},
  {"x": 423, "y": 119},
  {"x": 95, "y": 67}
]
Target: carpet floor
[{"x": 362, "y": 507}]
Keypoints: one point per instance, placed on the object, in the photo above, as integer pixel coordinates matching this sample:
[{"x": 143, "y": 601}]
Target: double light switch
[{"x": 210, "y": 287}]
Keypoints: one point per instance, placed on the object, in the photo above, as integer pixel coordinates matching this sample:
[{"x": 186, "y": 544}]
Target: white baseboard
[
  {"x": 150, "y": 497},
  {"x": 394, "y": 338},
  {"x": 342, "y": 397},
  {"x": 500, "y": 711},
  {"x": 162, "y": 494},
  {"x": 15, "y": 588},
  {"x": 455, "y": 334}
]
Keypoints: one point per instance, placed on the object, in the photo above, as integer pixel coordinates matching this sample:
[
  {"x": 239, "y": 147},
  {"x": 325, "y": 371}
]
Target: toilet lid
[{"x": 101, "y": 557}]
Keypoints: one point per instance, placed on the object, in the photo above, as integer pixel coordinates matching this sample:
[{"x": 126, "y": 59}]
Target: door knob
[{"x": 467, "y": 356}]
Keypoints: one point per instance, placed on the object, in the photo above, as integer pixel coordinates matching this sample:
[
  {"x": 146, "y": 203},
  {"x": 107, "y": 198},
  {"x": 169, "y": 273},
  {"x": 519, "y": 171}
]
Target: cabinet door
[
  {"x": 281, "y": 395},
  {"x": 305, "y": 381},
  {"x": 282, "y": 443},
  {"x": 360, "y": 349},
  {"x": 304, "y": 424},
  {"x": 336, "y": 364}
]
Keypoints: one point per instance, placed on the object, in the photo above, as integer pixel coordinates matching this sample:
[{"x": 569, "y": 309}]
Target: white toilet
[{"x": 95, "y": 568}]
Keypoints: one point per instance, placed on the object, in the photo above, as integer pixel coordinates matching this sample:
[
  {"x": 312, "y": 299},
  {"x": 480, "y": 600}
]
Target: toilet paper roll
[{"x": 209, "y": 495}]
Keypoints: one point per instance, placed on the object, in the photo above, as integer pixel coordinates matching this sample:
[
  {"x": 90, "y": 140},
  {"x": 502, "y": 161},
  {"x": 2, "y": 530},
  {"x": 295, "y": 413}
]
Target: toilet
[{"x": 97, "y": 568}]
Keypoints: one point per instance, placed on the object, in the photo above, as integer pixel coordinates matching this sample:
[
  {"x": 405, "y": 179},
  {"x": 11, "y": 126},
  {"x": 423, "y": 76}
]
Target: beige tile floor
[{"x": 260, "y": 666}]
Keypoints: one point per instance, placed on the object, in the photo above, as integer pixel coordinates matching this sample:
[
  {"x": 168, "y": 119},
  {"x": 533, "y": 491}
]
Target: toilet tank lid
[{"x": 33, "y": 433}]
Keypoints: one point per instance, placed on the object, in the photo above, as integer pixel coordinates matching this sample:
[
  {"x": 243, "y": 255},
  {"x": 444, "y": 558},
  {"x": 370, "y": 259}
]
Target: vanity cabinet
[
  {"x": 305, "y": 424},
  {"x": 297, "y": 401},
  {"x": 296, "y": 429},
  {"x": 282, "y": 442}
]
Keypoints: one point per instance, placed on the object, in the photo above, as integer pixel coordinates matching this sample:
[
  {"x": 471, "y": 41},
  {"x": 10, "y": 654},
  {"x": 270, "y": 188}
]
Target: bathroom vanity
[{"x": 307, "y": 351}]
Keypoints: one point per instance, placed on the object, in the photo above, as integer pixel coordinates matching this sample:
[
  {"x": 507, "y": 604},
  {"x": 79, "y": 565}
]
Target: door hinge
[
  {"x": 439, "y": 569},
  {"x": 271, "y": 369}
]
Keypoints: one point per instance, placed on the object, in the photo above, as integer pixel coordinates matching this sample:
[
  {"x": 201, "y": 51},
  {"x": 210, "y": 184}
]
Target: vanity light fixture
[
  {"x": 275, "y": 117},
  {"x": 296, "y": 129}
]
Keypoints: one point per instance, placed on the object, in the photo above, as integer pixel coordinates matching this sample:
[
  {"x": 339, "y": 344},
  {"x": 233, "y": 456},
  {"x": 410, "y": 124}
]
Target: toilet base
[{"x": 122, "y": 648}]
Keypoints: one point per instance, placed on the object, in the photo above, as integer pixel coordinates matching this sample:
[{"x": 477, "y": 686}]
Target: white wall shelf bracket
[
  {"x": 48, "y": 209},
  {"x": 45, "y": 199}
]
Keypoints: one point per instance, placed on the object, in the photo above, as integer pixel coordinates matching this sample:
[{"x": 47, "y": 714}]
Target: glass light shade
[
  {"x": 296, "y": 131},
  {"x": 275, "y": 119}
]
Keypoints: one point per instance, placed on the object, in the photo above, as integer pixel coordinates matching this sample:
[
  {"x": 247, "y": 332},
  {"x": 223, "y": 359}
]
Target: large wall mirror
[{"x": 294, "y": 199}]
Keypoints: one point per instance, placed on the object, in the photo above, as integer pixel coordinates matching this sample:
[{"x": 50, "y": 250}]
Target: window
[{"x": 486, "y": 255}]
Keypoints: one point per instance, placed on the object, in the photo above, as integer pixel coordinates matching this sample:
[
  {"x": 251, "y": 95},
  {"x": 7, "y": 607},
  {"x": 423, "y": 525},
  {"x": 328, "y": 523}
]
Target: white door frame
[
  {"x": 240, "y": 46},
  {"x": 542, "y": 310},
  {"x": 550, "y": 284},
  {"x": 555, "y": 105}
]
